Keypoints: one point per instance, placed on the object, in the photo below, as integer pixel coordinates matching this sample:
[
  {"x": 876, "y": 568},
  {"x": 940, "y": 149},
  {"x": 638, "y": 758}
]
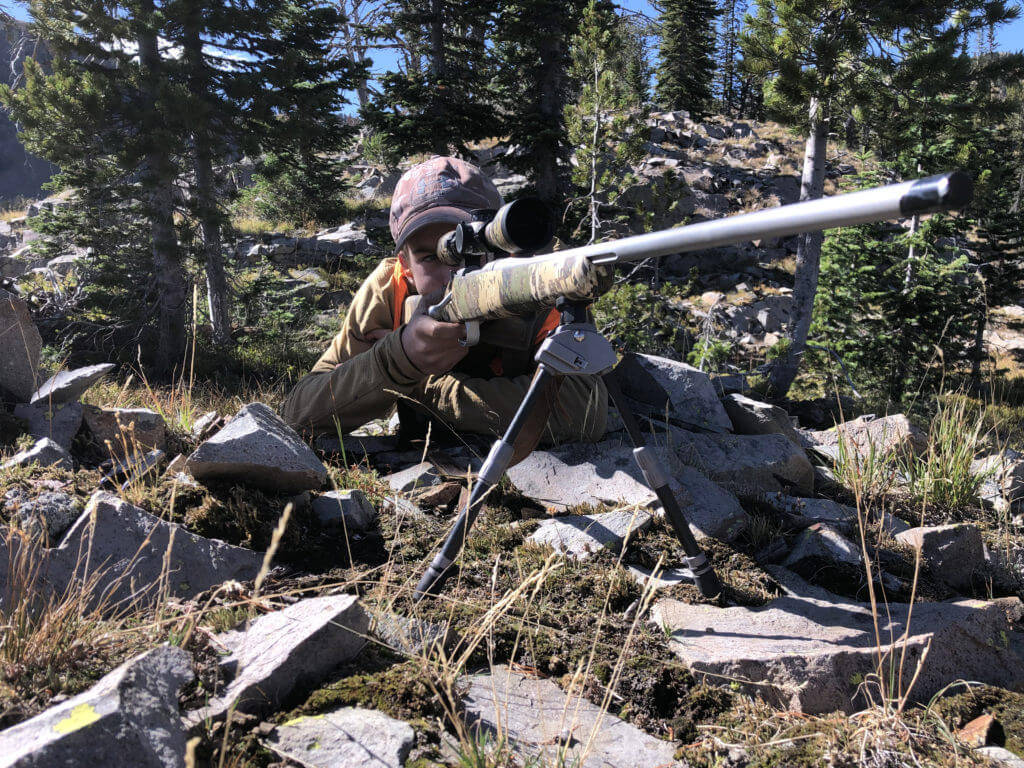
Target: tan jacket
[{"x": 357, "y": 380}]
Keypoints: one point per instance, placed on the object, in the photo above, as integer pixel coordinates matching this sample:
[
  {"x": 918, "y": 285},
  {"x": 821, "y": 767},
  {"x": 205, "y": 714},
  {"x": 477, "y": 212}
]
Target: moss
[{"x": 1003, "y": 705}]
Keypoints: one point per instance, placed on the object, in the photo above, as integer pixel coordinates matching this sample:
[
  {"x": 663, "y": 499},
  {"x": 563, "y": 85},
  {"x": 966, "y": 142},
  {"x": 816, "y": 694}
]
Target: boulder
[
  {"x": 45, "y": 453},
  {"x": 350, "y": 510},
  {"x": 285, "y": 652},
  {"x": 810, "y": 654},
  {"x": 541, "y": 722},
  {"x": 607, "y": 473},
  {"x": 953, "y": 552},
  {"x": 47, "y": 515},
  {"x": 258, "y": 448},
  {"x": 133, "y": 555},
  {"x": 663, "y": 388},
  {"x": 130, "y": 717},
  {"x": 20, "y": 345},
  {"x": 748, "y": 465},
  {"x": 752, "y": 417},
  {"x": 58, "y": 423},
  {"x": 68, "y": 386},
  {"x": 126, "y": 431},
  {"x": 885, "y": 438},
  {"x": 349, "y": 737},
  {"x": 580, "y": 536}
]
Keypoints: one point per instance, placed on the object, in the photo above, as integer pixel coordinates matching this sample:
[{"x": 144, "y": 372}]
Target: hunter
[{"x": 382, "y": 358}]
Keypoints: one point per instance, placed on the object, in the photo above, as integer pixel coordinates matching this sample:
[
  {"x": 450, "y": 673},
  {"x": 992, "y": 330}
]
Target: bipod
[{"x": 575, "y": 348}]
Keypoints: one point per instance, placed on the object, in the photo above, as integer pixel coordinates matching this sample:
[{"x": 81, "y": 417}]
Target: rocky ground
[{"x": 191, "y": 583}]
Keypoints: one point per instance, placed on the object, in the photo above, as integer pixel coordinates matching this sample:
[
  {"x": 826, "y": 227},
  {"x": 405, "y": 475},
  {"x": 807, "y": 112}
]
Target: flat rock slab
[
  {"x": 258, "y": 448},
  {"x": 808, "y": 654},
  {"x": 580, "y": 536},
  {"x": 607, "y": 473},
  {"x": 416, "y": 478},
  {"x": 126, "y": 431},
  {"x": 345, "y": 738},
  {"x": 285, "y": 651},
  {"x": 820, "y": 542},
  {"x": 412, "y": 636},
  {"x": 540, "y": 721},
  {"x": 68, "y": 386},
  {"x": 20, "y": 345},
  {"x": 663, "y": 388},
  {"x": 813, "y": 510},
  {"x": 954, "y": 552},
  {"x": 133, "y": 554},
  {"x": 45, "y": 453},
  {"x": 59, "y": 423},
  {"x": 130, "y": 717}
]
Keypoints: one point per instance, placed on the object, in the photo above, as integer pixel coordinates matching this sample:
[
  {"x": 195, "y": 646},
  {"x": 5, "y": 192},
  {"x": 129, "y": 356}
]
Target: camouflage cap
[{"x": 441, "y": 189}]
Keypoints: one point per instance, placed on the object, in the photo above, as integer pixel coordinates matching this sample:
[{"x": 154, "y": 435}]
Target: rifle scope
[{"x": 522, "y": 226}]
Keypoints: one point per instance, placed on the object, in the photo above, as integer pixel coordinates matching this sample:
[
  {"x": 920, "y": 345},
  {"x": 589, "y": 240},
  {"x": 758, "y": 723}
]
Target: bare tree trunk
[
  {"x": 808, "y": 257},
  {"x": 546, "y": 176},
  {"x": 438, "y": 66},
  {"x": 159, "y": 181},
  {"x": 218, "y": 300},
  {"x": 354, "y": 44}
]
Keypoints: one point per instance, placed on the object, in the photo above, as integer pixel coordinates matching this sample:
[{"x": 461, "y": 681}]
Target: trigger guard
[{"x": 472, "y": 337}]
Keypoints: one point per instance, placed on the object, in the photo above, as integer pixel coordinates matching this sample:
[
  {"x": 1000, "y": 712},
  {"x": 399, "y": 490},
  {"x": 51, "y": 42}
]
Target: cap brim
[{"x": 440, "y": 214}]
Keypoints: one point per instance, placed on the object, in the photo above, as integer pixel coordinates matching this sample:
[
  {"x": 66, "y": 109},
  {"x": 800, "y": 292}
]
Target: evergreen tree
[
  {"x": 605, "y": 125},
  {"x": 137, "y": 132},
  {"x": 730, "y": 87},
  {"x": 531, "y": 46},
  {"x": 446, "y": 103},
  {"x": 686, "y": 61}
]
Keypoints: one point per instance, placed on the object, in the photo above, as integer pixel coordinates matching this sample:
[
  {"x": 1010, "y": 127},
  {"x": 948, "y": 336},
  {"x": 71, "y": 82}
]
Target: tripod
[{"x": 575, "y": 348}]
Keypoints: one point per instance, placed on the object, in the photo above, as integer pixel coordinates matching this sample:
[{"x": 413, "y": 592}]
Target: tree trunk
[
  {"x": 217, "y": 296},
  {"x": 438, "y": 70},
  {"x": 546, "y": 176},
  {"x": 159, "y": 184},
  {"x": 808, "y": 257}
]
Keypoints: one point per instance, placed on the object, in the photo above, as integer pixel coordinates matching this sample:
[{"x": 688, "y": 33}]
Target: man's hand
[{"x": 432, "y": 346}]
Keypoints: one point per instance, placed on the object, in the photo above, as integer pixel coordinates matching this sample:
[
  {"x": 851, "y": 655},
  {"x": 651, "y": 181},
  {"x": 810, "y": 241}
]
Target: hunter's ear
[{"x": 402, "y": 257}]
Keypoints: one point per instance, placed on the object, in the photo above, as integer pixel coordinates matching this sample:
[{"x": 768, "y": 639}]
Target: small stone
[
  {"x": 953, "y": 552},
  {"x": 45, "y": 453},
  {"x": 823, "y": 542},
  {"x": 423, "y": 475},
  {"x": 580, "y": 536},
  {"x": 981, "y": 732},
  {"x": 348, "y": 509},
  {"x": 816, "y": 510},
  {"x": 68, "y": 386},
  {"x": 126, "y": 431},
  {"x": 351, "y": 737},
  {"x": 59, "y": 423},
  {"x": 412, "y": 636},
  {"x": 752, "y": 417},
  {"x": 1001, "y": 756},
  {"x": 206, "y": 424},
  {"x": 258, "y": 448}
]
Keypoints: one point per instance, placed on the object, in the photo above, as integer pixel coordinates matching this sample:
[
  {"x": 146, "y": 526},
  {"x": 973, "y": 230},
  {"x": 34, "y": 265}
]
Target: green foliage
[
  {"x": 896, "y": 339},
  {"x": 441, "y": 99},
  {"x": 686, "y": 55},
  {"x": 638, "y": 318},
  {"x": 605, "y": 124}
]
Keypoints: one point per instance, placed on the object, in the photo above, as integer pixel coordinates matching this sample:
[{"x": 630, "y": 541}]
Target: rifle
[{"x": 571, "y": 279}]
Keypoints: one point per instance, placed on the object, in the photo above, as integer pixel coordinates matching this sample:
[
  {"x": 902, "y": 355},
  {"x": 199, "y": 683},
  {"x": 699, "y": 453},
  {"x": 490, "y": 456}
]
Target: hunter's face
[{"x": 419, "y": 255}]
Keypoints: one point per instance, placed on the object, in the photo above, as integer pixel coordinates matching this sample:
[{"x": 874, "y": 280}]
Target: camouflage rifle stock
[{"x": 521, "y": 286}]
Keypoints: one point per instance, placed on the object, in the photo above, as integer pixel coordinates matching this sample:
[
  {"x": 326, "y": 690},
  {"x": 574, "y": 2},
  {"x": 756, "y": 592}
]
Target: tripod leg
[
  {"x": 704, "y": 575},
  {"x": 498, "y": 460}
]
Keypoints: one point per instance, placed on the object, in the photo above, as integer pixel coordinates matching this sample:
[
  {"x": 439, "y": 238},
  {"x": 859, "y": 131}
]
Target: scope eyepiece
[{"x": 522, "y": 226}]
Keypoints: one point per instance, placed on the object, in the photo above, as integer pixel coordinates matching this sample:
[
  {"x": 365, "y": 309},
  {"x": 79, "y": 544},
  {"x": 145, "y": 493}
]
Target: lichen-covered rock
[
  {"x": 130, "y": 717},
  {"x": 45, "y": 453},
  {"x": 351, "y": 737}
]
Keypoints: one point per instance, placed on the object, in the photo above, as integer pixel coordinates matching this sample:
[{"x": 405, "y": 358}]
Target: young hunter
[{"x": 381, "y": 358}]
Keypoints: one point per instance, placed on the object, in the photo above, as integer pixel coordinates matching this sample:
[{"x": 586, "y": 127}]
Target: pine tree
[
  {"x": 605, "y": 124},
  {"x": 445, "y": 103},
  {"x": 531, "y": 46},
  {"x": 686, "y": 61},
  {"x": 137, "y": 132}
]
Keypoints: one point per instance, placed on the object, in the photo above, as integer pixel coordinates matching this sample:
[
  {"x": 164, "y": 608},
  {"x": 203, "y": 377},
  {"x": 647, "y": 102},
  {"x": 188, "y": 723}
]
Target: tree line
[{"x": 148, "y": 103}]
